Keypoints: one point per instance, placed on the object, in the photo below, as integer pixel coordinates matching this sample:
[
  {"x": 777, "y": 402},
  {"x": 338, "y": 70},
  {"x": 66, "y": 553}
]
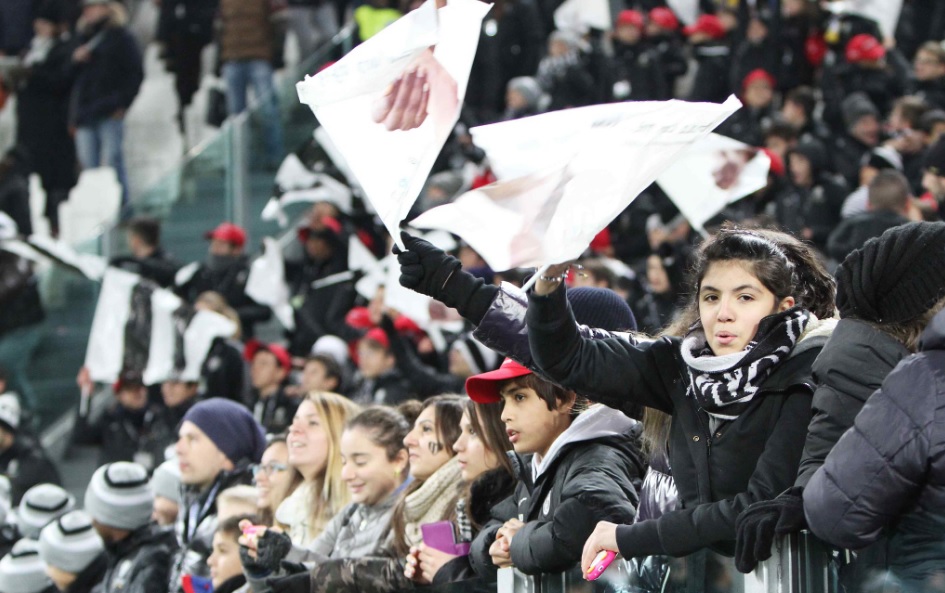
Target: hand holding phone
[{"x": 600, "y": 564}]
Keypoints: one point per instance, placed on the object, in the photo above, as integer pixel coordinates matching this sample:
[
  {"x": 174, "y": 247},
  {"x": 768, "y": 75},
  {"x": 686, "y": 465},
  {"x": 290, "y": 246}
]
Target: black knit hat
[
  {"x": 895, "y": 277},
  {"x": 602, "y": 308}
]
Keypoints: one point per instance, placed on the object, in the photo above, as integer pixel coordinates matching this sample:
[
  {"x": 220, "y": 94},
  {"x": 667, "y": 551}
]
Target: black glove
[
  {"x": 435, "y": 273},
  {"x": 757, "y": 527},
  {"x": 294, "y": 583},
  {"x": 271, "y": 548}
]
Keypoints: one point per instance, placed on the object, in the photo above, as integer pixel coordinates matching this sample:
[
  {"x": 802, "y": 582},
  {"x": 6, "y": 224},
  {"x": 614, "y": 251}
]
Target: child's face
[
  {"x": 369, "y": 474},
  {"x": 474, "y": 457},
  {"x": 628, "y": 34},
  {"x": 265, "y": 371},
  {"x": 315, "y": 378},
  {"x": 427, "y": 453},
  {"x": 532, "y": 427},
  {"x": 732, "y": 302},
  {"x": 758, "y": 95},
  {"x": 224, "y": 562},
  {"x": 373, "y": 359}
]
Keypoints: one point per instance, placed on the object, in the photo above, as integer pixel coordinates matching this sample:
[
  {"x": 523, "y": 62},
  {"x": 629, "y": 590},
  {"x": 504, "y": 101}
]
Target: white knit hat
[
  {"x": 165, "y": 481},
  {"x": 22, "y": 570},
  {"x": 70, "y": 543},
  {"x": 41, "y": 505},
  {"x": 120, "y": 496},
  {"x": 9, "y": 412}
]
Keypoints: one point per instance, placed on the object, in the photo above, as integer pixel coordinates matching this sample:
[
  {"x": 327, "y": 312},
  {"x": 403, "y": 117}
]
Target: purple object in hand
[{"x": 440, "y": 536}]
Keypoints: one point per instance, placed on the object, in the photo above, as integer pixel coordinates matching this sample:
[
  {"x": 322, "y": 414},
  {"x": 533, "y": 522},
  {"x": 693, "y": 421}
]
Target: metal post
[{"x": 240, "y": 170}]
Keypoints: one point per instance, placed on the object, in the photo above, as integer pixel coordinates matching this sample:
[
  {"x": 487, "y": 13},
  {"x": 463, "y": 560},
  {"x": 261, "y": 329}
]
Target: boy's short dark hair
[
  {"x": 147, "y": 229},
  {"x": 230, "y": 526},
  {"x": 803, "y": 97},
  {"x": 331, "y": 366},
  {"x": 546, "y": 390},
  {"x": 889, "y": 190},
  {"x": 600, "y": 272},
  {"x": 778, "y": 127}
]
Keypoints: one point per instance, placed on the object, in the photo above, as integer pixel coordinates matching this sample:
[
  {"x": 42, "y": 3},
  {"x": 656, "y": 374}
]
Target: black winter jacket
[
  {"x": 159, "y": 267},
  {"x": 883, "y": 482},
  {"x": 89, "y": 579},
  {"x": 26, "y": 464},
  {"x": 141, "y": 562},
  {"x": 110, "y": 80},
  {"x": 718, "y": 473},
  {"x": 126, "y": 435},
  {"x": 592, "y": 473},
  {"x": 230, "y": 282}
]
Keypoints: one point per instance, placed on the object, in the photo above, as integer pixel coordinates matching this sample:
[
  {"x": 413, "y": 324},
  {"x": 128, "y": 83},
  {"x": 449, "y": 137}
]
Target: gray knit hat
[
  {"x": 41, "y": 505},
  {"x": 165, "y": 481},
  {"x": 120, "y": 496},
  {"x": 70, "y": 543},
  {"x": 22, "y": 570}
]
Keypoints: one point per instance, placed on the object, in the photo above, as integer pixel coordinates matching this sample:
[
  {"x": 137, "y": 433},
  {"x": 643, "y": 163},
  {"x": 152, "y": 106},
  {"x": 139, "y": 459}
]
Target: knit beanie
[
  {"x": 41, "y": 505},
  {"x": 856, "y": 106},
  {"x": 231, "y": 428},
  {"x": 70, "y": 543},
  {"x": 22, "y": 570},
  {"x": 895, "y": 277},
  {"x": 165, "y": 481},
  {"x": 601, "y": 307},
  {"x": 9, "y": 412},
  {"x": 478, "y": 356},
  {"x": 120, "y": 496}
]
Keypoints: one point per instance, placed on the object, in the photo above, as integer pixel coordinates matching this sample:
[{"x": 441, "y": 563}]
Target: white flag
[
  {"x": 203, "y": 329},
  {"x": 392, "y": 166},
  {"x": 713, "y": 173},
  {"x": 565, "y": 175},
  {"x": 578, "y": 15},
  {"x": 105, "y": 352},
  {"x": 686, "y": 10},
  {"x": 163, "y": 337},
  {"x": 266, "y": 283}
]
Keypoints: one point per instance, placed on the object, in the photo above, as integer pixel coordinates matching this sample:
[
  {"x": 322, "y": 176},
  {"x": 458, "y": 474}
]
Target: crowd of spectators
[{"x": 670, "y": 396}]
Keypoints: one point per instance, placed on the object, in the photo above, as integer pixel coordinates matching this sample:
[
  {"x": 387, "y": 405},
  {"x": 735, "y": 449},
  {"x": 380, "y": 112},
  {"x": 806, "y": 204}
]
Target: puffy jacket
[
  {"x": 851, "y": 366},
  {"x": 718, "y": 472},
  {"x": 140, "y": 563},
  {"x": 592, "y": 473},
  {"x": 883, "y": 482}
]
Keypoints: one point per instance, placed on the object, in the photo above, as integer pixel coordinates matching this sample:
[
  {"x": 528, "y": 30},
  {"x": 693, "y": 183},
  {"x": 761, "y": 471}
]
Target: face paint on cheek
[{"x": 434, "y": 447}]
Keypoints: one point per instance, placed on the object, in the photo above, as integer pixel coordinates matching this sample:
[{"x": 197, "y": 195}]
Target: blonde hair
[{"x": 329, "y": 493}]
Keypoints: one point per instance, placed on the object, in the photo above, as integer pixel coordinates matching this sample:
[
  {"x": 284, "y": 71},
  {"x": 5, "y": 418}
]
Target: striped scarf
[{"x": 725, "y": 385}]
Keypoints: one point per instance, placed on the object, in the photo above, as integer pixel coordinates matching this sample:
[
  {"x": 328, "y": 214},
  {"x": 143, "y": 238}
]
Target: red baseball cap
[
  {"x": 327, "y": 227},
  {"x": 282, "y": 356},
  {"x": 664, "y": 17},
  {"x": 630, "y": 17},
  {"x": 709, "y": 24},
  {"x": 376, "y": 334},
  {"x": 758, "y": 75},
  {"x": 864, "y": 48},
  {"x": 484, "y": 388},
  {"x": 777, "y": 163},
  {"x": 229, "y": 232}
]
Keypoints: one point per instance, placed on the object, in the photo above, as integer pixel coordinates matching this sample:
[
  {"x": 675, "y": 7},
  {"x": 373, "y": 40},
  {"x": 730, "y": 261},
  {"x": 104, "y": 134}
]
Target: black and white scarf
[{"x": 725, "y": 385}]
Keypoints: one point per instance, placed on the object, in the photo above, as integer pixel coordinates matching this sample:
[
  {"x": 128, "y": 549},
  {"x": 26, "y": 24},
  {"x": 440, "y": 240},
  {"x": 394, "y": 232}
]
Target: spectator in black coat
[
  {"x": 380, "y": 382},
  {"x": 22, "y": 458},
  {"x": 270, "y": 365},
  {"x": 798, "y": 109},
  {"x": 662, "y": 34},
  {"x": 129, "y": 429},
  {"x": 888, "y": 197},
  {"x": 510, "y": 45},
  {"x": 861, "y": 119},
  {"x": 712, "y": 51},
  {"x": 810, "y": 205},
  {"x": 320, "y": 309},
  {"x": 563, "y": 74},
  {"x": 759, "y": 50},
  {"x": 929, "y": 72},
  {"x": 110, "y": 72},
  {"x": 15, "y": 188},
  {"x": 16, "y": 19},
  {"x": 748, "y": 123},
  {"x": 225, "y": 271},
  {"x": 185, "y": 27},
  {"x": 42, "y": 107},
  {"x": 636, "y": 73},
  {"x": 118, "y": 498},
  {"x": 148, "y": 258},
  {"x": 882, "y": 481}
]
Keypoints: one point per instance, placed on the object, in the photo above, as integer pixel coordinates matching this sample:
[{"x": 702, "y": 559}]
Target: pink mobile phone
[{"x": 600, "y": 564}]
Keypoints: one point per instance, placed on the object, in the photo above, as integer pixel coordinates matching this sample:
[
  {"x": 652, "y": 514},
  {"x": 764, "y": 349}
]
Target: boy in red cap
[
  {"x": 636, "y": 70},
  {"x": 663, "y": 36},
  {"x": 712, "y": 51},
  {"x": 270, "y": 365},
  {"x": 577, "y": 465},
  {"x": 379, "y": 380},
  {"x": 225, "y": 271},
  {"x": 757, "y": 95}
]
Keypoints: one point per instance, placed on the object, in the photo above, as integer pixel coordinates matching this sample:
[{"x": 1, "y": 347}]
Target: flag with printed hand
[
  {"x": 712, "y": 174},
  {"x": 392, "y": 102},
  {"x": 563, "y": 176}
]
